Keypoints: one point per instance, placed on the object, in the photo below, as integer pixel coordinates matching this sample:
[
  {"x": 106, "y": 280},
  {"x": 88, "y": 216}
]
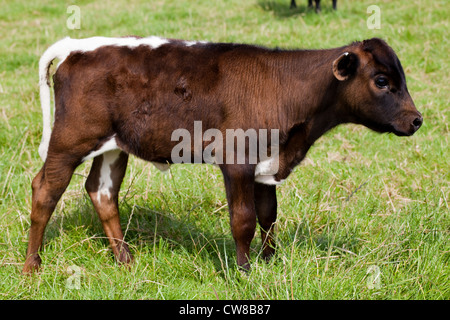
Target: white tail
[
  {"x": 44, "y": 91},
  {"x": 58, "y": 50}
]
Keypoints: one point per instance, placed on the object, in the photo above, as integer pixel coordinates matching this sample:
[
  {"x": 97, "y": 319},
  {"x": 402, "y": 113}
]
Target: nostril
[{"x": 417, "y": 122}]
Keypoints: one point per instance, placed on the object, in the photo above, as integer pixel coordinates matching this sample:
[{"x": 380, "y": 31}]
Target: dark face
[{"x": 375, "y": 89}]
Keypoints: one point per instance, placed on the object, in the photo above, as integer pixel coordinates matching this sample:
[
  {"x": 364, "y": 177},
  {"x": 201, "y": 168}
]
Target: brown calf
[{"x": 116, "y": 96}]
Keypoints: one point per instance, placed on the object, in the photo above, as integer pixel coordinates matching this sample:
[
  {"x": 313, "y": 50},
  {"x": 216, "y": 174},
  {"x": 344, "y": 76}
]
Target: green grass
[{"x": 359, "y": 201}]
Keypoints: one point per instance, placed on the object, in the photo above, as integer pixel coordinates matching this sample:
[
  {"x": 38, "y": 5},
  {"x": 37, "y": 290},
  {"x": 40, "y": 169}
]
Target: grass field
[{"x": 366, "y": 216}]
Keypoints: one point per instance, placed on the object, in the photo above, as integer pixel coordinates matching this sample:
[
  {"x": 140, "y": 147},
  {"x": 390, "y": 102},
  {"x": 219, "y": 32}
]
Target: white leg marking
[{"x": 105, "y": 180}]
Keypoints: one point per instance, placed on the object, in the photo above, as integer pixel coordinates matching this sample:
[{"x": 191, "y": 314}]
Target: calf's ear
[{"x": 345, "y": 65}]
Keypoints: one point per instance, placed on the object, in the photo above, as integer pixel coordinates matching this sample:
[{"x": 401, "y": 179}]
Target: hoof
[
  {"x": 124, "y": 256},
  {"x": 32, "y": 264}
]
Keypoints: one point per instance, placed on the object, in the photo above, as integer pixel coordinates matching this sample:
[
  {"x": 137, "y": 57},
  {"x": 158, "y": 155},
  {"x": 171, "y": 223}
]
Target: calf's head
[{"x": 373, "y": 88}]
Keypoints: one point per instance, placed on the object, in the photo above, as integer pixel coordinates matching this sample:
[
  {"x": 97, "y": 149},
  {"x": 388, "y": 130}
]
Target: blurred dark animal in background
[{"x": 310, "y": 5}]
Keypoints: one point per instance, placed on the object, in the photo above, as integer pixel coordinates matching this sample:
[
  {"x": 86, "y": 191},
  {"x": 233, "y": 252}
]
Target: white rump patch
[{"x": 61, "y": 50}]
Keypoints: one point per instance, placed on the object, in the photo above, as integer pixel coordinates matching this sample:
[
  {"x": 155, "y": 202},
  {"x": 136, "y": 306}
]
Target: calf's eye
[{"x": 382, "y": 82}]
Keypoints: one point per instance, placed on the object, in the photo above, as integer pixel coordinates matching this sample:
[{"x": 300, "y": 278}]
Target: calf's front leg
[
  {"x": 266, "y": 210},
  {"x": 239, "y": 186}
]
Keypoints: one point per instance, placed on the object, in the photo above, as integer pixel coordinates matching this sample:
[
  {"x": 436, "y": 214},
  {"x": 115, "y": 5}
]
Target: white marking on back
[
  {"x": 109, "y": 145},
  {"x": 66, "y": 46},
  {"x": 190, "y": 43},
  {"x": 105, "y": 180}
]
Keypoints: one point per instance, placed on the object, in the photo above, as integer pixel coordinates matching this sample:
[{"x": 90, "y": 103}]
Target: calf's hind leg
[
  {"x": 103, "y": 185},
  {"x": 48, "y": 187}
]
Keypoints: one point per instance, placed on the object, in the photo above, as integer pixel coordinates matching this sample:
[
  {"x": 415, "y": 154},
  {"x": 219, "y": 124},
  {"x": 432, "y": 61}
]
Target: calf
[{"x": 121, "y": 96}]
